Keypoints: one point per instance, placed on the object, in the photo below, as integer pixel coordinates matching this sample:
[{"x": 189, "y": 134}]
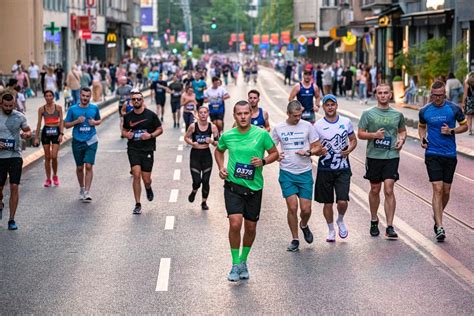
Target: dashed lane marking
[
  {"x": 169, "y": 224},
  {"x": 173, "y": 196},
  {"x": 183, "y": 130},
  {"x": 177, "y": 174},
  {"x": 163, "y": 275},
  {"x": 180, "y": 147},
  {"x": 179, "y": 158},
  {"x": 181, "y": 138}
]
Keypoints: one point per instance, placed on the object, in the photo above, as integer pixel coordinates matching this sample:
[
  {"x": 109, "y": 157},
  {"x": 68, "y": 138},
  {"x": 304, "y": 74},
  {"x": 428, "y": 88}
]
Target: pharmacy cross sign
[{"x": 52, "y": 29}]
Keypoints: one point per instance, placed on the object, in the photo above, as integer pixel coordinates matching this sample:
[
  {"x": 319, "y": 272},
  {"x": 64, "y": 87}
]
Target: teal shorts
[
  {"x": 299, "y": 184},
  {"x": 84, "y": 153}
]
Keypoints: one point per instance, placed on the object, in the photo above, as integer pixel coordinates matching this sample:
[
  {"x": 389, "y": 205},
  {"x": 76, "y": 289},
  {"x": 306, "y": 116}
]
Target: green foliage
[
  {"x": 197, "y": 52},
  {"x": 430, "y": 60},
  {"x": 277, "y": 16},
  {"x": 397, "y": 78},
  {"x": 461, "y": 63}
]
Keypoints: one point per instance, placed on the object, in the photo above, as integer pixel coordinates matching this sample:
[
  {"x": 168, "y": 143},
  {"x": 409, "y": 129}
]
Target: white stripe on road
[
  {"x": 174, "y": 196},
  {"x": 169, "y": 224},
  {"x": 181, "y": 138},
  {"x": 183, "y": 130},
  {"x": 179, "y": 158},
  {"x": 177, "y": 174},
  {"x": 180, "y": 147},
  {"x": 163, "y": 275}
]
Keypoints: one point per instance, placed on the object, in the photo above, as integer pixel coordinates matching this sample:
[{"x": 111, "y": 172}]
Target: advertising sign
[{"x": 148, "y": 15}]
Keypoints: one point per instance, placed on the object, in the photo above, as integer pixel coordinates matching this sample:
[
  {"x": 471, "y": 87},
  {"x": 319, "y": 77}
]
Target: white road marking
[
  {"x": 163, "y": 275},
  {"x": 181, "y": 138},
  {"x": 169, "y": 224},
  {"x": 183, "y": 130},
  {"x": 173, "y": 196},
  {"x": 113, "y": 150},
  {"x": 180, "y": 147},
  {"x": 179, "y": 158},
  {"x": 177, "y": 174}
]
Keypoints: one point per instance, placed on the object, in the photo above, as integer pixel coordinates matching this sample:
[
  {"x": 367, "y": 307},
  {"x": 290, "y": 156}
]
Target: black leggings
[
  {"x": 201, "y": 167},
  {"x": 188, "y": 118}
]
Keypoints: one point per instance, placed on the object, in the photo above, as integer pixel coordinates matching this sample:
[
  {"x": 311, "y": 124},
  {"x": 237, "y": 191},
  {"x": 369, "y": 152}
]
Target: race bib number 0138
[{"x": 244, "y": 171}]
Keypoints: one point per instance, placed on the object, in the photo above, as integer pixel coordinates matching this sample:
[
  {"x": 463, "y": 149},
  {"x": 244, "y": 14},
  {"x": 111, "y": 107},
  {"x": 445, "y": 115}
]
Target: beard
[
  {"x": 137, "y": 106},
  {"x": 8, "y": 112}
]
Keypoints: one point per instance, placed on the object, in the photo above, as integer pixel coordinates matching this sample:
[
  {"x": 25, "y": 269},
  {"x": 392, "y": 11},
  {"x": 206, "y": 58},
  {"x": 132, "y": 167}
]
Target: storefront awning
[{"x": 426, "y": 18}]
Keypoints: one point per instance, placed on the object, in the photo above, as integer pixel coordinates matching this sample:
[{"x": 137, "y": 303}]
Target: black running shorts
[
  {"x": 11, "y": 167},
  {"x": 441, "y": 168},
  {"x": 241, "y": 200},
  {"x": 378, "y": 170},
  {"x": 144, "y": 159}
]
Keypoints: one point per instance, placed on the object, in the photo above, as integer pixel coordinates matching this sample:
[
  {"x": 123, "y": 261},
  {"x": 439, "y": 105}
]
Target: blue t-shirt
[
  {"x": 83, "y": 132},
  {"x": 199, "y": 87},
  {"x": 153, "y": 76},
  {"x": 306, "y": 96},
  {"x": 434, "y": 117}
]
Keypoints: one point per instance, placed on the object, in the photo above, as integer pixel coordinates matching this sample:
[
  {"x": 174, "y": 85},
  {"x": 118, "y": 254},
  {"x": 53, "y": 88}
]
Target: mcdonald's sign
[{"x": 112, "y": 38}]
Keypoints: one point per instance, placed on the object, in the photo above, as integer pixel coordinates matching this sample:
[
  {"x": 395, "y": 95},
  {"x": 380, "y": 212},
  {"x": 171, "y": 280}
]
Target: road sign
[
  {"x": 52, "y": 28},
  {"x": 205, "y": 38},
  {"x": 85, "y": 34},
  {"x": 302, "y": 39},
  {"x": 301, "y": 50},
  {"x": 182, "y": 37}
]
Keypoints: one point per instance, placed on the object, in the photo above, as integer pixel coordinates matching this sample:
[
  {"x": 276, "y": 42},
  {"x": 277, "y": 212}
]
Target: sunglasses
[
  {"x": 136, "y": 99},
  {"x": 438, "y": 95}
]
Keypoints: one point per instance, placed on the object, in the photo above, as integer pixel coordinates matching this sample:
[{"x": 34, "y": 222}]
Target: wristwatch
[
  {"x": 452, "y": 132},
  {"x": 263, "y": 162},
  {"x": 308, "y": 153}
]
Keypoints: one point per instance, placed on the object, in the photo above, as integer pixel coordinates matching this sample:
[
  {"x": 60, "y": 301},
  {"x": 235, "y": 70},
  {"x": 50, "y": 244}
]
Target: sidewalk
[{"x": 353, "y": 109}]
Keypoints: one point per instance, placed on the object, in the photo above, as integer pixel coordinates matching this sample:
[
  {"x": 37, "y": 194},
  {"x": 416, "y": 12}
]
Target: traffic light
[{"x": 213, "y": 24}]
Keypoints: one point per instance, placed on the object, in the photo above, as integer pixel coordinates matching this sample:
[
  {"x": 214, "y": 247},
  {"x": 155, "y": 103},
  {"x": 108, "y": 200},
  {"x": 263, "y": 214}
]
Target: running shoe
[
  {"x": 331, "y": 236},
  {"x": 87, "y": 197},
  {"x": 1, "y": 209},
  {"x": 12, "y": 225},
  {"x": 440, "y": 234},
  {"x": 294, "y": 245},
  {"x": 234, "y": 274},
  {"x": 435, "y": 228},
  {"x": 56, "y": 180},
  {"x": 308, "y": 235},
  {"x": 244, "y": 271},
  {"x": 204, "y": 206},
  {"x": 343, "y": 232},
  {"x": 149, "y": 194},
  {"x": 390, "y": 233},
  {"x": 374, "y": 228},
  {"x": 192, "y": 196},
  {"x": 137, "y": 209},
  {"x": 47, "y": 183},
  {"x": 81, "y": 194}
]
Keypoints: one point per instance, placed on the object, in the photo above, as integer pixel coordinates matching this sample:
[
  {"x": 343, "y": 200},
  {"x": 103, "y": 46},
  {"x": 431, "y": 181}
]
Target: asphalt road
[{"x": 69, "y": 257}]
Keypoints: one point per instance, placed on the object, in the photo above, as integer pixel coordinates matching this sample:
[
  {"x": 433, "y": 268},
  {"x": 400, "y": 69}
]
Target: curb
[
  {"x": 411, "y": 131},
  {"x": 105, "y": 112}
]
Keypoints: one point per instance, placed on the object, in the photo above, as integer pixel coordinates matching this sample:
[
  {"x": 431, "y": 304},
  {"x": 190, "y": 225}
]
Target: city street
[{"x": 71, "y": 257}]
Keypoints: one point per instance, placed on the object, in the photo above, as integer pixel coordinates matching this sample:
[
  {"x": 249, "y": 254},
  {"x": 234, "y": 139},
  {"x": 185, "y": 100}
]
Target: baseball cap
[{"x": 328, "y": 97}]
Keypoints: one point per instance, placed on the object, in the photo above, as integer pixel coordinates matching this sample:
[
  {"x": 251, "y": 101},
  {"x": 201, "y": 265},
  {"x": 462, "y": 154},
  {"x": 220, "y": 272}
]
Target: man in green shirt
[
  {"x": 243, "y": 182},
  {"x": 384, "y": 129}
]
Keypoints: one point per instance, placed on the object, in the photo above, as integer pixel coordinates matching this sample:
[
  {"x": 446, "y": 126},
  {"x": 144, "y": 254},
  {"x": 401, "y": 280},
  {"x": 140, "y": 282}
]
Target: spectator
[
  {"x": 410, "y": 93},
  {"x": 468, "y": 103},
  {"x": 34, "y": 74},
  {"x": 59, "y": 72},
  {"x": 73, "y": 81},
  {"x": 44, "y": 70},
  {"x": 20, "y": 100},
  {"x": 22, "y": 79},
  {"x": 50, "y": 83},
  {"x": 16, "y": 67},
  {"x": 454, "y": 89},
  {"x": 327, "y": 79}
]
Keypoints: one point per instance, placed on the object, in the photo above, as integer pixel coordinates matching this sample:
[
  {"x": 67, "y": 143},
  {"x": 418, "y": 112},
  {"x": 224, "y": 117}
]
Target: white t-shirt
[
  {"x": 133, "y": 68},
  {"x": 50, "y": 82},
  {"x": 291, "y": 139},
  {"x": 334, "y": 136},
  {"x": 215, "y": 94},
  {"x": 33, "y": 72}
]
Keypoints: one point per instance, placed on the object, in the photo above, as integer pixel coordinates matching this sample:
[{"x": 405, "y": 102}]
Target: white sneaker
[
  {"x": 331, "y": 236},
  {"x": 81, "y": 195},
  {"x": 343, "y": 232},
  {"x": 87, "y": 197}
]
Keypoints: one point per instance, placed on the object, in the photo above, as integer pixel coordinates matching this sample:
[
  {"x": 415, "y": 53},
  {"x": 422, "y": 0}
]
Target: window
[{"x": 329, "y": 3}]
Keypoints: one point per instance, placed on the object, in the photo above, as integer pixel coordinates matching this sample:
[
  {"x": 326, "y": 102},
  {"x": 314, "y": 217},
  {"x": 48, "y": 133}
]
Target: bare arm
[
  {"x": 294, "y": 92},
  {"x": 219, "y": 157},
  {"x": 189, "y": 133},
  {"x": 363, "y": 134},
  {"x": 402, "y": 136},
  {"x": 38, "y": 125},
  {"x": 317, "y": 98},
  {"x": 267, "y": 121},
  {"x": 351, "y": 147}
]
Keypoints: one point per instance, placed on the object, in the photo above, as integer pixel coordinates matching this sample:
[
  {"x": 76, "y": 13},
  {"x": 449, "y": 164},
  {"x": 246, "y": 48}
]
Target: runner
[
  {"x": 259, "y": 115},
  {"x": 84, "y": 117},
  {"x": 298, "y": 141},
  {"x": 159, "y": 89},
  {"x": 215, "y": 96},
  {"x": 199, "y": 85},
  {"x": 51, "y": 135},
  {"x": 384, "y": 128},
  {"x": 13, "y": 127},
  {"x": 188, "y": 102},
  {"x": 200, "y": 135},
  {"x": 244, "y": 182},
  {"x": 141, "y": 127},
  {"x": 123, "y": 93},
  {"x": 336, "y": 134},
  {"x": 304, "y": 92},
  {"x": 176, "y": 89},
  {"x": 254, "y": 71},
  {"x": 437, "y": 129}
]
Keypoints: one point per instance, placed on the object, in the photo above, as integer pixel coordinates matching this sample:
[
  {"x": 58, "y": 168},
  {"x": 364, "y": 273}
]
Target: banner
[
  {"x": 233, "y": 37},
  {"x": 264, "y": 38},
  {"x": 241, "y": 37},
  {"x": 148, "y": 15},
  {"x": 286, "y": 37},
  {"x": 256, "y": 39},
  {"x": 274, "y": 39},
  {"x": 182, "y": 37}
]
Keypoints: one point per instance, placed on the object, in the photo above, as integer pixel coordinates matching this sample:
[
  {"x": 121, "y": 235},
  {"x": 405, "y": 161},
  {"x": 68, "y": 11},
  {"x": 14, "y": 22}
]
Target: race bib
[
  {"x": 190, "y": 106},
  {"x": 176, "y": 94},
  {"x": 137, "y": 134},
  {"x": 8, "y": 144},
  {"x": 385, "y": 143},
  {"x": 84, "y": 129},
  {"x": 51, "y": 131},
  {"x": 307, "y": 115},
  {"x": 159, "y": 90},
  {"x": 244, "y": 171},
  {"x": 201, "y": 139}
]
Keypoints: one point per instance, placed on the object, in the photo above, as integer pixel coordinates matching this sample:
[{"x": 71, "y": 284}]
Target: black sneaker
[
  {"x": 192, "y": 196},
  {"x": 149, "y": 194},
  {"x": 12, "y": 225},
  {"x": 390, "y": 233},
  {"x": 374, "y": 228},
  {"x": 435, "y": 229},
  {"x": 137, "y": 209},
  {"x": 204, "y": 206},
  {"x": 294, "y": 245},
  {"x": 308, "y": 235},
  {"x": 440, "y": 234},
  {"x": 1, "y": 209}
]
